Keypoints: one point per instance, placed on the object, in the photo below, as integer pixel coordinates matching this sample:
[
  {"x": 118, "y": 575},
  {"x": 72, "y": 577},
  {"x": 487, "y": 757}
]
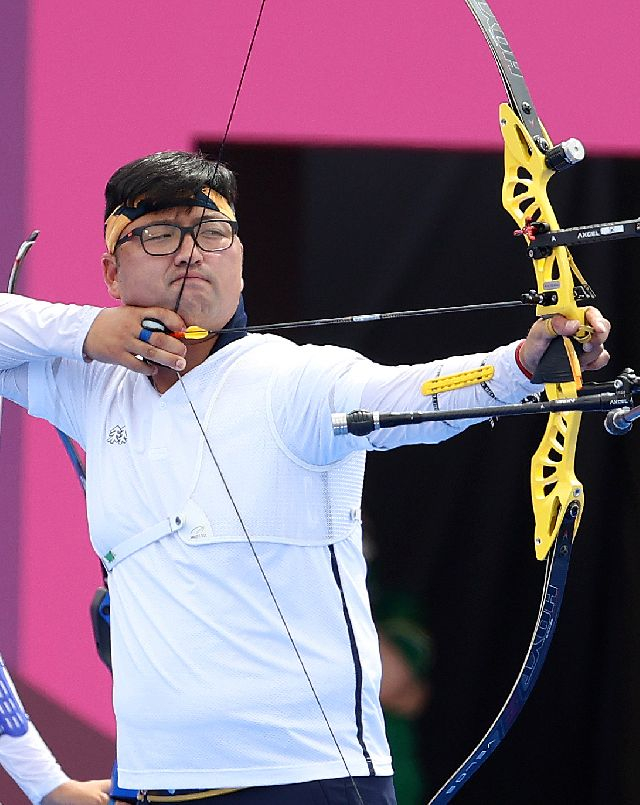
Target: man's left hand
[{"x": 593, "y": 354}]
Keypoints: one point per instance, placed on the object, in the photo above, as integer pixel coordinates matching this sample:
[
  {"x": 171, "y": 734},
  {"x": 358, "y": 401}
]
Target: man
[
  {"x": 26, "y": 757},
  {"x": 245, "y": 661}
]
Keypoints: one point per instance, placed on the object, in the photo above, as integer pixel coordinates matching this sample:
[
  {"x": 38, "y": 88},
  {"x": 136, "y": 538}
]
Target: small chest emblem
[{"x": 117, "y": 435}]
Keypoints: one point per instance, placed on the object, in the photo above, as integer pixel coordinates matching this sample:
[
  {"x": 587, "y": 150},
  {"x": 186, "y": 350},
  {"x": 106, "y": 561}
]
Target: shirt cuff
[{"x": 521, "y": 365}]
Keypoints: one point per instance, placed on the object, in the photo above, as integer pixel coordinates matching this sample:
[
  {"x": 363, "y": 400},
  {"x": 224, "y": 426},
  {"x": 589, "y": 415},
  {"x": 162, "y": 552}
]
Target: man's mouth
[{"x": 189, "y": 278}]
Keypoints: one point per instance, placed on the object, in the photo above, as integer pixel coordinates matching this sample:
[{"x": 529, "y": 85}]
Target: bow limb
[
  {"x": 73, "y": 454},
  {"x": 22, "y": 252}
]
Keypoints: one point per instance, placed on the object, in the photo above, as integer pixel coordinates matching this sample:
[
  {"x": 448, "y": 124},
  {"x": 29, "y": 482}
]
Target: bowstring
[
  {"x": 271, "y": 592},
  {"x": 207, "y": 442},
  {"x": 223, "y": 143}
]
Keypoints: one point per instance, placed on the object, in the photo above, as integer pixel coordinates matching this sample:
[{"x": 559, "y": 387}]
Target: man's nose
[{"x": 188, "y": 251}]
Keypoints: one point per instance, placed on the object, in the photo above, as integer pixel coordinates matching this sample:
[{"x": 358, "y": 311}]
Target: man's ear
[{"x": 110, "y": 274}]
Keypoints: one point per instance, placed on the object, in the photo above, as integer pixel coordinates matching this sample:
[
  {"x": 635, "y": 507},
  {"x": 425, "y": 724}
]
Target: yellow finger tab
[{"x": 451, "y": 382}]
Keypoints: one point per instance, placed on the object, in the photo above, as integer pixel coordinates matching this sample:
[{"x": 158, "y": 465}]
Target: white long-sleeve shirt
[
  {"x": 29, "y": 761},
  {"x": 23, "y": 753},
  {"x": 208, "y": 691}
]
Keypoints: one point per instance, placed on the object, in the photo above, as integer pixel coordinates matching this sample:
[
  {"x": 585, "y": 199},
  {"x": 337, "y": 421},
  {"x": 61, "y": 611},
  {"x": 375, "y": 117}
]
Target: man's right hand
[{"x": 113, "y": 338}]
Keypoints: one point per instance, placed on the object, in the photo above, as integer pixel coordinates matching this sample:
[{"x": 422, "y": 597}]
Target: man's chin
[{"x": 204, "y": 320}]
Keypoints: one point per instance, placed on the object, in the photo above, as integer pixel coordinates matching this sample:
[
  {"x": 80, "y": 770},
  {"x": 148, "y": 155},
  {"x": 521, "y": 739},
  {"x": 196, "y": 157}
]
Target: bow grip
[{"x": 559, "y": 364}]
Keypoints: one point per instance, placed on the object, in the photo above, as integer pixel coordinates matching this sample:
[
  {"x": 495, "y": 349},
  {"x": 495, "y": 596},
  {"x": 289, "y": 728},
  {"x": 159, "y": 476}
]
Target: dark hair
[{"x": 163, "y": 177}]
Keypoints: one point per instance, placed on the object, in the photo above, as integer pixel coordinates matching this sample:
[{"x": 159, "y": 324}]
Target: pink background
[{"x": 108, "y": 82}]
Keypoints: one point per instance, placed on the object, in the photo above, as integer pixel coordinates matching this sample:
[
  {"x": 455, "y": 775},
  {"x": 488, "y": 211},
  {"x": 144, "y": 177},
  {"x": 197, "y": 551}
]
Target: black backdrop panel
[{"x": 337, "y": 231}]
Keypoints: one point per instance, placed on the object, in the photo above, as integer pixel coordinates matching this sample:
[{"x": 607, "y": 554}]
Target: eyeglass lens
[{"x": 210, "y": 236}]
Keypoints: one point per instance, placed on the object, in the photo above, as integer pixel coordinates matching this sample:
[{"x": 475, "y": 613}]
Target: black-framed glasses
[{"x": 214, "y": 235}]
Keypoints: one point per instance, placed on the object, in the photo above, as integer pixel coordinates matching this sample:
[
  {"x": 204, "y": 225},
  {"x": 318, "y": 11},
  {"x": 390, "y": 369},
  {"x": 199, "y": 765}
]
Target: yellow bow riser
[
  {"x": 554, "y": 485},
  {"x": 524, "y": 196}
]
